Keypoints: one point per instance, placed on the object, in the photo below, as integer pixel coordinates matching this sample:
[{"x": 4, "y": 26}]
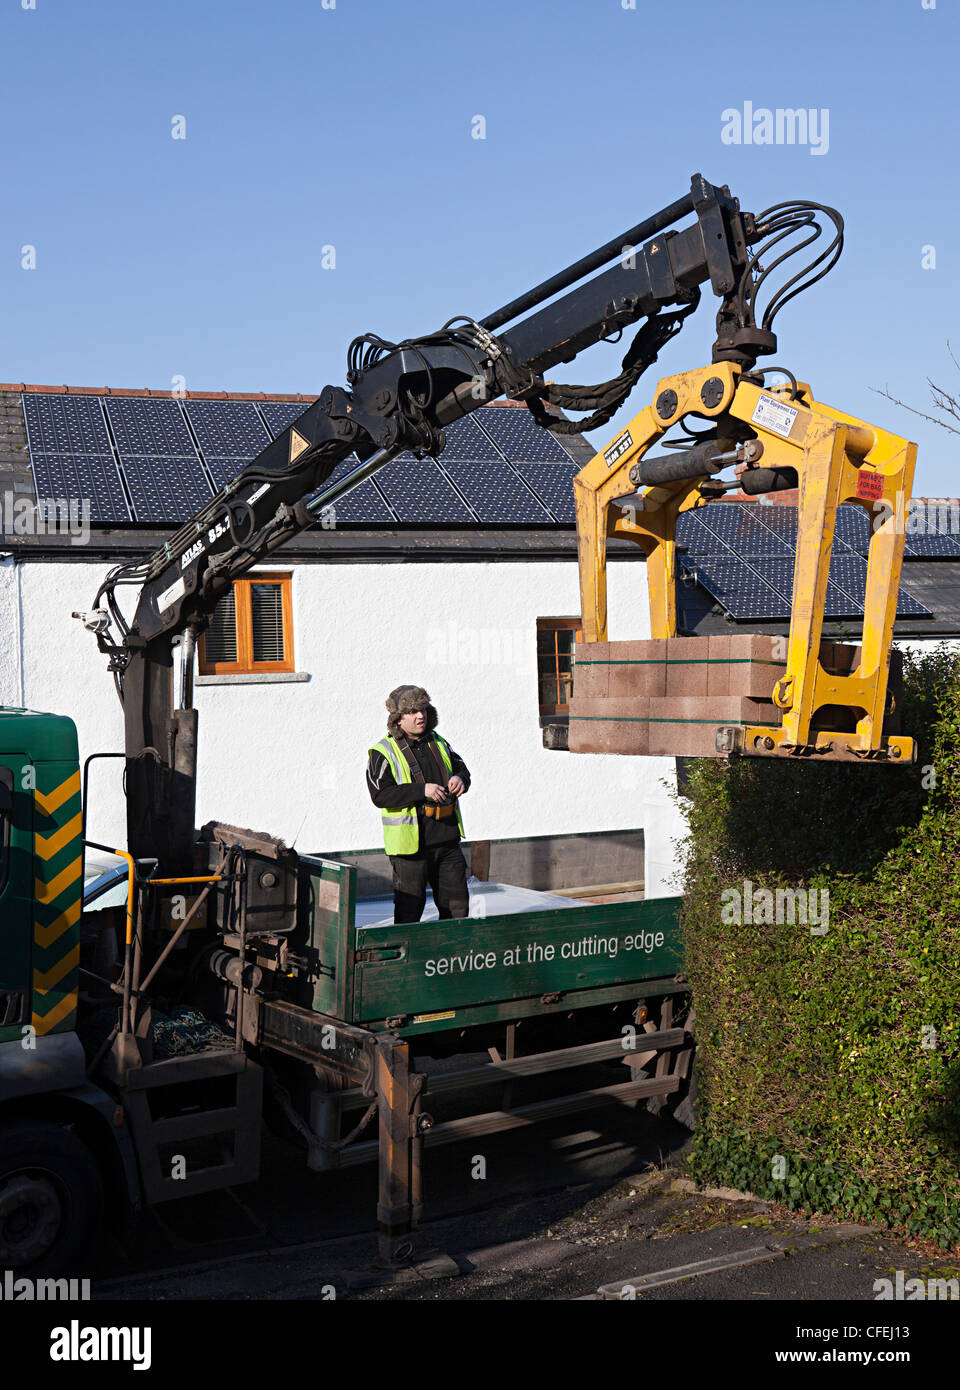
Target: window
[
  {"x": 555, "y": 639},
  {"x": 251, "y": 629}
]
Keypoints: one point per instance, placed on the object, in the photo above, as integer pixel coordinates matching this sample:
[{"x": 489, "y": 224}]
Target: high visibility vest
[{"x": 401, "y": 830}]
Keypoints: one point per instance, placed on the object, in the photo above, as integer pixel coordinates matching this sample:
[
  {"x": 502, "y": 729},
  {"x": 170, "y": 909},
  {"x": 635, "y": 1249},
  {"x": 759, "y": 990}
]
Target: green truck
[{"x": 281, "y": 1005}]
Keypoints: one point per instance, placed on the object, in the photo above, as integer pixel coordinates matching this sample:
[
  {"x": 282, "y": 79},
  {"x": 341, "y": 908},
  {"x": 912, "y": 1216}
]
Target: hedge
[{"x": 828, "y": 1061}]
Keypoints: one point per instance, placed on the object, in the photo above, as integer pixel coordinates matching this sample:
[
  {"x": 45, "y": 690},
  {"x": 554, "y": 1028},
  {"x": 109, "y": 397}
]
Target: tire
[{"x": 51, "y": 1200}]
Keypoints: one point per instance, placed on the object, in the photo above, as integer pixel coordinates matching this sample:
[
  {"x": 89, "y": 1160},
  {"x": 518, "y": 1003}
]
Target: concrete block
[
  {"x": 680, "y": 726},
  {"x": 755, "y": 679},
  {"x": 608, "y": 726},
  {"x": 696, "y": 708},
  {"x": 756, "y": 664},
  {"x": 639, "y": 649},
  {"x": 761, "y": 712},
  {"x": 758, "y": 646},
  {"x": 839, "y": 658},
  {"x": 591, "y": 674},
  {"x": 718, "y": 672},
  {"x": 687, "y": 665},
  {"x": 620, "y": 707},
  {"x": 640, "y": 669},
  {"x": 582, "y": 651},
  {"x": 686, "y": 725},
  {"x": 682, "y": 740}
]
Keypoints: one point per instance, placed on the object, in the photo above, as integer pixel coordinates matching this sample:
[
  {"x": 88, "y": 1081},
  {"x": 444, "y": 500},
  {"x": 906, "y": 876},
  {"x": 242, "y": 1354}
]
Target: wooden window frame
[
  {"x": 570, "y": 624},
  {"x": 245, "y": 664}
]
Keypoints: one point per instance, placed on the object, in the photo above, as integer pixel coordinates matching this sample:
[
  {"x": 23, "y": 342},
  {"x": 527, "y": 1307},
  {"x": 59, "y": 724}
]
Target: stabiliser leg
[{"x": 400, "y": 1179}]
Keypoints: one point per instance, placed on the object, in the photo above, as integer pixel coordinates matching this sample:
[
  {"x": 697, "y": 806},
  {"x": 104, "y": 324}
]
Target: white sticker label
[
  {"x": 618, "y": 448},
  {"x": 169, "y": 596},
  {"x": 775, "y": 415},
  {"x": 259, "y": 493}
]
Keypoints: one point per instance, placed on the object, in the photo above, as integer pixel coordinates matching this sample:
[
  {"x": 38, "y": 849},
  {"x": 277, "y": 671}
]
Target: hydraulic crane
[{"x": 400, "y": 397}]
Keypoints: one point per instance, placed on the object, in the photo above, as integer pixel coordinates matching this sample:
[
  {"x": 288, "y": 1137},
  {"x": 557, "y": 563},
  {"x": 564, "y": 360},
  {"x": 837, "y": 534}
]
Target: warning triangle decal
[{"x": 297, "y": 445}]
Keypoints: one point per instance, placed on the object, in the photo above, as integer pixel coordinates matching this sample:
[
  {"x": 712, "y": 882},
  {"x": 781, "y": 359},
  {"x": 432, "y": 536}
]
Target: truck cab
[{"x": 65, "y": 1161}]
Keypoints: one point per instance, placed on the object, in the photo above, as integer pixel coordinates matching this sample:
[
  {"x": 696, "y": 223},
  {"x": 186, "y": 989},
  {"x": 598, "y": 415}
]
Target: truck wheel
[{"x": 51, "y": 1199}]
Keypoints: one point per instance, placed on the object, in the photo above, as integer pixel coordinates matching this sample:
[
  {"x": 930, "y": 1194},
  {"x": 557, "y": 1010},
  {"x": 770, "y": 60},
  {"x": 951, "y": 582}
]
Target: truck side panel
[{"x": 433, "y": 968}]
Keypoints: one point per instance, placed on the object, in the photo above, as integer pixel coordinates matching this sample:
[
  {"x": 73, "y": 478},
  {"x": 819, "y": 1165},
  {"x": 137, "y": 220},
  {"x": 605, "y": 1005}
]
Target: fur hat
[{"x": 407, "y": 699}]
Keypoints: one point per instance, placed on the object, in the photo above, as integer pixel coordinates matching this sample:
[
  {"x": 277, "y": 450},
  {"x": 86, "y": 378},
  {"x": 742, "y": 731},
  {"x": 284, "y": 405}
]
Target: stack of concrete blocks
[{"x": 668, "y": 696}]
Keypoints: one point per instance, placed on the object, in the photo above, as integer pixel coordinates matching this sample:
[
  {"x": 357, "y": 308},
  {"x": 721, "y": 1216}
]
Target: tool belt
[{"x": 431, "y": 810}]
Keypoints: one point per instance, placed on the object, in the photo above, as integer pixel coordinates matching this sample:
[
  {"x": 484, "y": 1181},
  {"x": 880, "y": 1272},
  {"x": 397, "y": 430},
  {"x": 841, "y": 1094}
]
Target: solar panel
[
  {"x": 553, "y": 484},
  {"x": 223, "y": 471},
  {"x": 65, "y": 425},
  {"x": 228, "y": 429},
  {"x": 79, "y": 477},
  {"x": 779, "y": 518},
  {"x": 517, "y": 435},
  {"x": 496, "y": 494},
  {"x": 418, "y": 491},
  {"x": 850, "y": 572},
  {"x": 778, "y": 573},
  {"x": 699, "y": 539},
  {"x": 853, "y": 528},
  {"x": 466, "y": 441},
  {"x": 930, "y": 547},
  {"x": 280, "y": 415},
  {"x": 737, "y": 528},
  {"x": 144, "y": 426},
  {"x": 165, "y": 489},
  {"x": 741, "y": 592}
]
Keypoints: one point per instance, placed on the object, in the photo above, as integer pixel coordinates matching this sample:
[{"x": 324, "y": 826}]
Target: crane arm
[{"x": 399, "y": 397}]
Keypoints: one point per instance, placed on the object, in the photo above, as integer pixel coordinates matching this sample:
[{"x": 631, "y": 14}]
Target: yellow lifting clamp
[{"x": 836, "y": 458}]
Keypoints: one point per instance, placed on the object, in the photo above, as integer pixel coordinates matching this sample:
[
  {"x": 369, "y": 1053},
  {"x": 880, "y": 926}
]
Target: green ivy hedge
[{"x": 829, "y": 1061}]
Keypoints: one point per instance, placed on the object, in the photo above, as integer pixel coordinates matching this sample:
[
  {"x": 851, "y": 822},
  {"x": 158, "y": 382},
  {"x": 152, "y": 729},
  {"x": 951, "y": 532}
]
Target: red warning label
[{"x": 869, "y": 484}]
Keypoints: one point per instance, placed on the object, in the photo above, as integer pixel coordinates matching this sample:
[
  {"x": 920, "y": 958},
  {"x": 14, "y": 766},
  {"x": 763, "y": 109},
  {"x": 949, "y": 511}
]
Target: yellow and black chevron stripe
[{"x": 58, "y": 868}]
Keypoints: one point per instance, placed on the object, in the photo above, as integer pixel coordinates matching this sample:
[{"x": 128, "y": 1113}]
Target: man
[{"x": 416, "y": 779}]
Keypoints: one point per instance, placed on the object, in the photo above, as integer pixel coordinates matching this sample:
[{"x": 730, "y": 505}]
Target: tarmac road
[{"x": 562, "y": 1212}]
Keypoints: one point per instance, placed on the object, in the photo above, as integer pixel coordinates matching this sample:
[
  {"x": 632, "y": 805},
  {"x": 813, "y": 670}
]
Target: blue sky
[{"x": 350, "y": 127}]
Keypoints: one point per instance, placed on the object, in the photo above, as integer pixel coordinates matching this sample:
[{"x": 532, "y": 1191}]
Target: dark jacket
[{"x": 385, "y": 793}]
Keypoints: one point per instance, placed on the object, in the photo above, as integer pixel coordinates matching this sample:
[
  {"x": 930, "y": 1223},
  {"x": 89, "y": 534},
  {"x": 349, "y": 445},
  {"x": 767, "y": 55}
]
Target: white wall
[
  {"x": 10, "y": 628},
  {"x": 289, "y": 758}
]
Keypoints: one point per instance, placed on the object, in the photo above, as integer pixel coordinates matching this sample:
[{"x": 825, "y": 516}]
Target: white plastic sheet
[{"x": 486, "y": 900}]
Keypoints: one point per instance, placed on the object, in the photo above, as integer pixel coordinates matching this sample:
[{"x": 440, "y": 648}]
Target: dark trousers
[{"x": 444, "y": 868}]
